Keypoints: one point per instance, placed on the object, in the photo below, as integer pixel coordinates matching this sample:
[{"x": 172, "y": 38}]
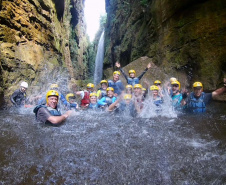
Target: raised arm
[
  {"x": 117, "y": 64},
  {"x": 220, "y": 90},
  {"x": 142, "y": 74}
]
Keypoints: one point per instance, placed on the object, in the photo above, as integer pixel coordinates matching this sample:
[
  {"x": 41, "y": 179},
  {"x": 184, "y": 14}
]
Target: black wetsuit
[{"x": 18, "y": 98}]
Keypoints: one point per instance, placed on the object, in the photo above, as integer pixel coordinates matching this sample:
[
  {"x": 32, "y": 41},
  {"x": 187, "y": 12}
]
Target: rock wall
[
  {"x": 182, "y": 37},
  {"x": 34, "y": 41}
]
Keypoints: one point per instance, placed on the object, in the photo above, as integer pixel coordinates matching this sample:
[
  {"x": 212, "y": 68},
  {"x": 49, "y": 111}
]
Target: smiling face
[
  {"x": 137, "y": 91},
  {"x": 110, "y": 93},
  {"x": 23, "y": 89},
  {"x": 175, "y": 88},
  {"x": 115, "y": 77},
  {"x": 52, "y": 101},
  {"x": 131, "y": 75},
  {"x": 154, "y": 93},
  {"x": 197, "y": 91},
  {"x": 93, "y": 99},
  {"x": 104, "y": 86}
]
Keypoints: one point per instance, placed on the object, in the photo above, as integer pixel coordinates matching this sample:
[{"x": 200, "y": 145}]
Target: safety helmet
[
  {"x": 24, "y": 84},
  {"x": 154, "y": 88},
  {"x": 173, "y": 79},
  {"x": 51, "y": 93},
  {"x": 116, "y": 72},
  {"x": 197, "y": 84},
  {"x": 132, "y": 71},
  {"x": 103, "y": 81},
  {"x": 175, "y": 82},
  {"x": 127, "y": 96},
  {"x": 110, "y": 89},
  {"x": 52, "y": 86},
  {"x": 70, "y": 95},
  {"x": 144, "y": 89},
  {"x": 129, "y": 86},
  {"x": 157, "y": 82},
  {"x": 90, "y": 85},
  {"x": 137, "y": 86},
  {"x": 92, "y": 94}
]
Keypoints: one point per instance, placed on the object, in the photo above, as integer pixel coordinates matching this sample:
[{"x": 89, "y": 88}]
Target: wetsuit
[
  {"x": 118, "y": 86},
  {"x": 18, "y": 98},
  {"x": 135, "y": 80}
]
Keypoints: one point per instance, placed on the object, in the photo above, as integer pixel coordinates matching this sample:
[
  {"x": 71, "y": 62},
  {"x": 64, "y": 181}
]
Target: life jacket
[
  {"x": 116, "y": 86},
  {"x": 108, "y": 100},
  {"x": 196, "y": 105},
  {"x": 132, "y": 81},
  {"x": 103, "y": 93},
  {"x": 93, "y": 106},
  {"x": 158, "y": 101},
  {"x": 53, "y": 112},
  {"x": 85, "y": 99},
  {"x": 73, "y": 106},
  {"x": 176, "y": 99}
]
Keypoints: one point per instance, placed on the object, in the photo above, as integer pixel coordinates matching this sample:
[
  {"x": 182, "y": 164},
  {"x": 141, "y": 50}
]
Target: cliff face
[
  {"x": 34, "y": 41},
  {"x": 186, "y": 36}
]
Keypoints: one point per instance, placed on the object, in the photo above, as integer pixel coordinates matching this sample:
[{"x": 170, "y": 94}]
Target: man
[
  {"x": 176, "y": 95},
  {"x": 85, "y": 95},
  {"x": 138, "y": 97},
  {"x": 102, "y": 91},
  {"x": 49, "y": 114},
  {"x": 19, "y": 96},
  {"x": 116, "y": 84},
  {"x": 132, "y": 79},
  {"x": 197, "y": 100},
  {"x": 109, "y": 99}
]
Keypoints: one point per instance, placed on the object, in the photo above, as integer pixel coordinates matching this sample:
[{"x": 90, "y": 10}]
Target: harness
[
  {"x": 53, "y": 112},
  {"x": 85, "y": 99},
  {"x": 132, "y": 81},
  {"x": 196, "y": 105}
]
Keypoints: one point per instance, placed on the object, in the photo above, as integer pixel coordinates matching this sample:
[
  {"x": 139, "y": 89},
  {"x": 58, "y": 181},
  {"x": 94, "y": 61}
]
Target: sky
[{"x": 93, "y": 10}]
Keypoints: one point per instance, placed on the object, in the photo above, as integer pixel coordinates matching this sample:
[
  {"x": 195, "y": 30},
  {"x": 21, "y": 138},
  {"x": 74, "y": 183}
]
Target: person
[
  {"x": 48, "y": 113},
  {"x": 197, "y": 100},
  {"x": 157, "y": 100},
  {"x": 132, "y": 79},
  {"x": 85, "y": 95},
  {"x": 116, "y": 84},
  {"x": 138, "y": 97},
  {"x": 124, "y": 106},
  {"x": 109, "y": 99},
  {"x": 129, "y": 89},
  {"x": 61, "y": 97},
  {"x": 70, "y": 97},
  {"x": 158, "y": 84},
  {"x": 169, "y": 86},
  {"x": 144, "y": 92},
  {"x": 176, "y": 95},
  {"x": 18, "y": 98},
  {"x": 93, "y": 102},
  {"x": 102, "y": 91}
]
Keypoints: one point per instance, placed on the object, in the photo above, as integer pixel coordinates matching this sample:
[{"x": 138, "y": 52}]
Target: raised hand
[{"x": 117, "y": 64}]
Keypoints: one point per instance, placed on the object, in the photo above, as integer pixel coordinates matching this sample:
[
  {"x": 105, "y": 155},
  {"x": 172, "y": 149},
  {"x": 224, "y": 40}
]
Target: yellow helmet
[
  {"x": 69, "y": 95},
  {"x": 116, "y": 72},
  {"x": 154, "y": 88},
  {"x": 175, "y": 82},
  {"x": 110, "y": 89},
  {"x": 51, "y": 93},
  {"x": 173, "y": 79},
  {"x": 197, "y": 84},
  {"x": 129, "y": 86},
  {"x": 127, "y": 96},
  {"x": 92, "y": 94},
  {"x": 143, "y": 89},
  {"x": 103, "y": 81},
  {"x": 90, "y": 85},
  {"x": 132, "y": 71},
  {"x": 52, "y": 86},
  {"x": 137, "y": 86},
  {"x": 157, "y": 82}
]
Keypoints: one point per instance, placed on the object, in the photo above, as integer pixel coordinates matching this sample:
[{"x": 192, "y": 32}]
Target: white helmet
[
  {"x": 24, "y": 84},
  {"x": 173, "y": 79}
]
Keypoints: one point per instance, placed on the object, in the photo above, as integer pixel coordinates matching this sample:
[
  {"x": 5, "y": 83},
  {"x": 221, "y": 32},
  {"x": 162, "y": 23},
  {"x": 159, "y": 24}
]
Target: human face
[
  {"x": 154, "y": 93},
  {"x": 132, "y": 75},
  {"x": 90, "y": 89},
  {"x": 197, "y": 91},
  {"x": 115, "y": 77},
  {"x": 93, "y": 99},
  {"x": 137, "y": 91},
  {"x": 175, "y": 88},
  {"x": 127, "y": 101},
  {"x": 52, "y": 101},
  {"x": 110, "y": 94},
  {"x": 129, "y": 91},
  {"x": 23, "y": 89},
  {"x": 104, "y": 86}
]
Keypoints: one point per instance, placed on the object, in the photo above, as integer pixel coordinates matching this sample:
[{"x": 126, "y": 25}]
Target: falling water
[{"x": 99, "y": 60}]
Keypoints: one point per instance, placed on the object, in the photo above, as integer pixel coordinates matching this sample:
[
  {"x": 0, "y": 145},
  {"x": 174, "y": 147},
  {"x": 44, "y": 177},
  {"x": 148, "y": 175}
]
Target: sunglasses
[
  {"x": 175, "y": 85},
  {"x": 157, "y": 84}
]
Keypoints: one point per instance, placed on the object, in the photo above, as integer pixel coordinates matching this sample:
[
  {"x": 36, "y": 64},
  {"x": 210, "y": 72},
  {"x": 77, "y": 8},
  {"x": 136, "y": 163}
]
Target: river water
[{"x": 107, "y": 149}]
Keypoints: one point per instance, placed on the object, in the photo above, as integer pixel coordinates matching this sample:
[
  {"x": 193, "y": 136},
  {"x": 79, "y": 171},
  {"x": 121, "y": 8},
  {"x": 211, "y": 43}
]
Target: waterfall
[{"x": 99, "y": 61}]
